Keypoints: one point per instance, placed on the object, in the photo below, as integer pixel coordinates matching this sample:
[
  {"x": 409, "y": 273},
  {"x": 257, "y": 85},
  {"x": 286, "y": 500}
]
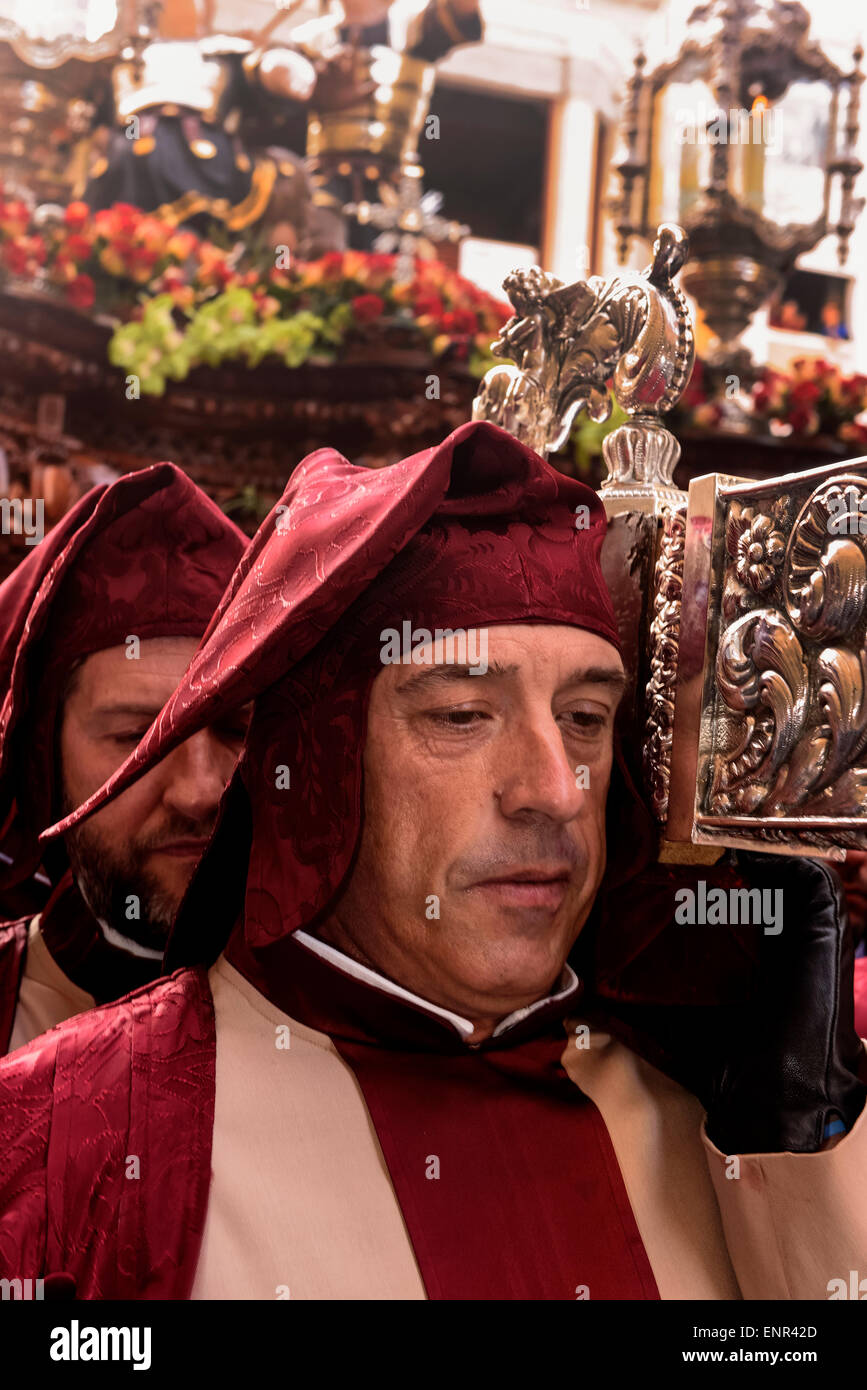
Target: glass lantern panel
[
  {"x": 680, "y": 153},
  {"x": 795, "y": 154}
]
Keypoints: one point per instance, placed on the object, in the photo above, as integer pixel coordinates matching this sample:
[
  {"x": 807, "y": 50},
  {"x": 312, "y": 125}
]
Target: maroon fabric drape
[{"x": 148, "y": 555}]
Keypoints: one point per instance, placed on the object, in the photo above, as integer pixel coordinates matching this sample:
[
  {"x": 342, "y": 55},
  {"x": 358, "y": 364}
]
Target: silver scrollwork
[
  {"x": 566, "y": 342},
  {"x": 789, "y": 708}
]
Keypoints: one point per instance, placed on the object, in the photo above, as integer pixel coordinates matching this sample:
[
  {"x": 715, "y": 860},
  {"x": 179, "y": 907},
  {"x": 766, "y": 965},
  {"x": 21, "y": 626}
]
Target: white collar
[{"x": 463, "y": 1026}]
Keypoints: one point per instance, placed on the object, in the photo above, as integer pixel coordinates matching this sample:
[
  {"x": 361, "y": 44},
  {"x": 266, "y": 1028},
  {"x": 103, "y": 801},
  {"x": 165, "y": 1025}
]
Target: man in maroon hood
[
  {"x": 406, "y": 1027},
  {"x": 97, "y": 626}
]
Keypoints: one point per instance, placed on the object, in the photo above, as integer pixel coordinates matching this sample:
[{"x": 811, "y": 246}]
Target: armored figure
[
  {"x": 172, "y": 119},
  {"x": 371, "y": 101}
]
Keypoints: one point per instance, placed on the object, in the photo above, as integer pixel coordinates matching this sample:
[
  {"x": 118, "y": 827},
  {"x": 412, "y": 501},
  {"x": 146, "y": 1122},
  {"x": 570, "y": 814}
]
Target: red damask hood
[
  {"x": 478, "y": 530},
  {"x": 149, "y": 555}
]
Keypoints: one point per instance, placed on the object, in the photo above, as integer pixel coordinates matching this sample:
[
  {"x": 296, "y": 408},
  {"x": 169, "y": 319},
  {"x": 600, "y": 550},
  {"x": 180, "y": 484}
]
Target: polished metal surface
[
  {"x": 770, "y": 738},
  {"x": 664, "y": 643},
  {"x": 567, "y": 341},
  {"x": 743, "y": 51}
]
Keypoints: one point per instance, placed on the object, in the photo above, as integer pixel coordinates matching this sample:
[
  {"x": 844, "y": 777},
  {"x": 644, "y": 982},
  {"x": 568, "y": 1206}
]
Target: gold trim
[
  {"x": 241, "y": 215},
  {"x": 672, "y": 853}
]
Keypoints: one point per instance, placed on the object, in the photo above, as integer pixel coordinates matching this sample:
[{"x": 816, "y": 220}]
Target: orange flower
[
  {"x": 182, "y": 245},
  {"x": 78, "y": 247},
  {"x": 14, "y": 217},
  {"x": 355, "y": 266},
  {"x": 111, "y": 261},
  {"x": 76, "y": 215}
]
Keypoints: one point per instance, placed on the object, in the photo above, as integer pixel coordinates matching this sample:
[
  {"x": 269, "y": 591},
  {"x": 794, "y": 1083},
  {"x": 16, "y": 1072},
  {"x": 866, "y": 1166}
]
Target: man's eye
[
  {"x": 129, "y": 736},
  {"x": 586, "y": 722},
  {"x": 457, "y": 718}
]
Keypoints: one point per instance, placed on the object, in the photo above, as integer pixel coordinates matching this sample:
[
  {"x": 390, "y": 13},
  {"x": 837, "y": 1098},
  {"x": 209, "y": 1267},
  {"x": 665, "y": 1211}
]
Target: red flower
[
  {"x": 223, "y": 273},
  {"x": 459, "y": 321},
  {"x": 427, "y": 305},
  {"x": 81, "y": 292},
  {"x": 78, "y": 247},
  {"x": 76, "y": 216},
  {"x": 801, "y": 419},
  {"x": 367, "y": 307},
  {"x": 172, "y": 278},
  {"x": 142, "y": 258},
  {"x": 14, "y": 217},
  {"x": 24, "y": 255},
  {"x": 806, "y": 393},
  {"x": 120, "y": 220},
  {"x": 331, "y": 265},
  {"x": 15, "y": 258}
]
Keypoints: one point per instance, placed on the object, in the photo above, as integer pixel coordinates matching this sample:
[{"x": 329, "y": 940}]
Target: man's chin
[{"x": 507, "y": 976}]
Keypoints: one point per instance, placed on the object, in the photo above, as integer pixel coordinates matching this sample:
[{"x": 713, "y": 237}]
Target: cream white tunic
[
  {"x": 302, "y": 1205},
  {"x": 46, "y": 996}
]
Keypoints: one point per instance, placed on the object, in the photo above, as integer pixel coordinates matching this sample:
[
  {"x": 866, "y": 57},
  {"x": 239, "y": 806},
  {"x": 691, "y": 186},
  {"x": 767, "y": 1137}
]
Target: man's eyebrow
[
  {"x": 126, "y": 711},
  {"x": 442, "y": 675},
  {"x": 597, "y": 675}
]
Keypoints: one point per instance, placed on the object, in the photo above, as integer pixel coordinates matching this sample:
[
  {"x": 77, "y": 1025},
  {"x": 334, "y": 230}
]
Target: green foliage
[
  {"x": 164, "y": 345},
  {"x": 587, "y": 436}
]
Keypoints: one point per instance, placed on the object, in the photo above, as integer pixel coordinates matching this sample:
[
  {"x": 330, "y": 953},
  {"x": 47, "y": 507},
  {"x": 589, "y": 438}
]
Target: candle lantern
[{"x": 739, "y": 136}]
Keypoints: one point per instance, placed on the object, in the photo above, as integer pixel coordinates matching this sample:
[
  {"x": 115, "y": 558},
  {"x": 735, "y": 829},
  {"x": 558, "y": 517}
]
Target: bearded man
[
  {"x": 98, "y": 625},
  {"x": 403, "y": 1032}
]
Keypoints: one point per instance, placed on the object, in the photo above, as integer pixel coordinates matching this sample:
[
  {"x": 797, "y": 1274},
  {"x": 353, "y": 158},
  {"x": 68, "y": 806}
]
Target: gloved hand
[{"x": 790, "y": 1078}]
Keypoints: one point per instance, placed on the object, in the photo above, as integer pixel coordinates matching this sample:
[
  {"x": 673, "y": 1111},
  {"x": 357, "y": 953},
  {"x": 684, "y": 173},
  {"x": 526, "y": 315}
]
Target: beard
[{"x": 109, "y": 875}]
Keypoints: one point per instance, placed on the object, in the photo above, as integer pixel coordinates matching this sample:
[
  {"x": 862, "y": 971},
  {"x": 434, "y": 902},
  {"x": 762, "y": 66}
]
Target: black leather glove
[{"x": 792, "y": 1062}]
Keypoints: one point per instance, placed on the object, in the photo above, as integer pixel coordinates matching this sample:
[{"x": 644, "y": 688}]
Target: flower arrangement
[
  {"x": 181, "y": 301},
  {"x": 104, "y": 259},
  {"x": 813, "y": 397}
]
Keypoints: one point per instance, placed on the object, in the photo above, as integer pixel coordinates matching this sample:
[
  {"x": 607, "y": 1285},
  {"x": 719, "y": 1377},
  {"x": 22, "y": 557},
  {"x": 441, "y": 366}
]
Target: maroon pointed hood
[
  {"x": 478, "y": 530},
  {"x": 148, "y": 555}
]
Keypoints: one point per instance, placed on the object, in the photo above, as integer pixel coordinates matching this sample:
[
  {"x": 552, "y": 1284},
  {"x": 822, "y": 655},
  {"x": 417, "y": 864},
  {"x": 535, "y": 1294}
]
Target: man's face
[
  {"x": 147, "y": 842},
  {"x": 483, "y": 844}
]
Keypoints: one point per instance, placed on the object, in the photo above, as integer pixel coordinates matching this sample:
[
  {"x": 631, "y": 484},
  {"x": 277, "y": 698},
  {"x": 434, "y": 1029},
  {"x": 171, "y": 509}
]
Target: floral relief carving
[{"x": 789, "y": 703}]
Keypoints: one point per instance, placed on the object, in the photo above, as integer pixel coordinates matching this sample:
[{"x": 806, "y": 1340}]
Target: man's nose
[
  {"x": 196, "y": 774},
  {"x": 535, "y": 773}
]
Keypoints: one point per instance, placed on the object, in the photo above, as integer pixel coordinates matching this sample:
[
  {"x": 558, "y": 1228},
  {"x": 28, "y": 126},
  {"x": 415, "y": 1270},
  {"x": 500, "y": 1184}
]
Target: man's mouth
[
  {"x": 182, "y": 849},
  {"x": 534, "y": 887}
]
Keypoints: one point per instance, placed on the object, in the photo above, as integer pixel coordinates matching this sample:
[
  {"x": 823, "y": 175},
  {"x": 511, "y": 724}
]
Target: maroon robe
[
  {"x": 476, "y": 531},
  {"x": 521, "y": 1148}
]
